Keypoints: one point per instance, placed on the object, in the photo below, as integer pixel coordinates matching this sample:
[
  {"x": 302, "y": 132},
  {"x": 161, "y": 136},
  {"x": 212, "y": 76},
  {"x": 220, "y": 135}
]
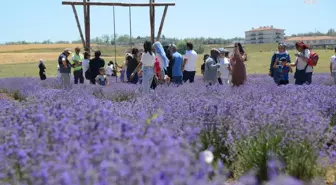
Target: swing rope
[
  {"x": 130, "y": 24},
  {"x": 115, "y": 43}
]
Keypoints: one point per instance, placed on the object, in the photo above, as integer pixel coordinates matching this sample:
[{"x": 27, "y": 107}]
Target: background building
[
  {"x": 313, "y": 41},
  {"x": 265, "y": 34}
]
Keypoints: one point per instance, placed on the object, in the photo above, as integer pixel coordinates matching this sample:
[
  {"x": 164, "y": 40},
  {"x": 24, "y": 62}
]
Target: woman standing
[
  {"x": 238, "y": 67},
  {"x": 132, "y": 63},
  {"x": 147, "y": 65},
  {"x": 42, "y": 68},
  {"x": 164, "y": 61},
  {"x": 86, "y": 66},
  {"x": 282, "y": 53},
  {"x": 304, "y": 72}
]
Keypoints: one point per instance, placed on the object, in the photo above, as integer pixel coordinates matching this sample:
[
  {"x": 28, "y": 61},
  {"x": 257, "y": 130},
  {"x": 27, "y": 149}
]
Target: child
[
  {"x": 283, "y": 70},
  {"x": 333, "y": 66},
  {"x": 109, "y": 70},
  {"x": 205, "y": 57},
  {"x": 101, "y": 79},
  {"x": 225, "y": 68},
  {"x": 157, "y": 73},
  {"x": 58, "y": 73}
]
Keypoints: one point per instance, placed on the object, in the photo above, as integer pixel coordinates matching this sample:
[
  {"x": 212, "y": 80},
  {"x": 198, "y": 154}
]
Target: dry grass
[
  {"x": 15, "y": 58},
  {"x": 11, "y": 48}
]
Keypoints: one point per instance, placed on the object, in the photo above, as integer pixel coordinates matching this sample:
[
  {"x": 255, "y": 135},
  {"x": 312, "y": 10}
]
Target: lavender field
[{"x": 190, "y": 135}]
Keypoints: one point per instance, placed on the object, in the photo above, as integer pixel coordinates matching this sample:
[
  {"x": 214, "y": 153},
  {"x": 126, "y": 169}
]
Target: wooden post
[
  {"x": 78, "y": 25},
  {"x": 88, "y": 39},
  {"x": 162, "y": 22},
  {"x": 151, "y": 18},
  {"x": 85, "y": 23},
  {"x": 153, "y": 12}
]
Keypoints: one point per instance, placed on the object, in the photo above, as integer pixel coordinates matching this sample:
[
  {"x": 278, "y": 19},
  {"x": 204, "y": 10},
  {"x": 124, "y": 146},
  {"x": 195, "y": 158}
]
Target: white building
[
  {"x": 265, "y": 34},
  {"x": 313, "y": 40}
]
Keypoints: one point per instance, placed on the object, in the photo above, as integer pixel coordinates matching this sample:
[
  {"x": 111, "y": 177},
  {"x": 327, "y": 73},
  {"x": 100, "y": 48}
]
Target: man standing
[
  {"x": 190, "y": 59},
  {"x": 177, "y": 65},
  {"x": 211, "y": 67},
  {"x": 77, "y": 60},
  {"x": 95, "y": 64},
  {"x": 65, "y": 68}
]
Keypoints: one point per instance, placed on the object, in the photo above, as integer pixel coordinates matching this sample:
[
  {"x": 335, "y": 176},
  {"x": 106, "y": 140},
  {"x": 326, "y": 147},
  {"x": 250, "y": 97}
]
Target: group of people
[
  {"x": 165, "y": 65},
  {"x": 281, "y": 65}
]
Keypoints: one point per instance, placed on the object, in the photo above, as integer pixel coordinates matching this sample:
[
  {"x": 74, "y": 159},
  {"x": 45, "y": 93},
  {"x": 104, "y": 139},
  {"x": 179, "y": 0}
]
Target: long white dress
[{"x": 85, "y": 67}]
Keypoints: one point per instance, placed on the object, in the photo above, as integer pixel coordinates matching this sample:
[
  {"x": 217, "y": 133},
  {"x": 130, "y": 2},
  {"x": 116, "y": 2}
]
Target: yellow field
[{"x": 11, "y": 48}]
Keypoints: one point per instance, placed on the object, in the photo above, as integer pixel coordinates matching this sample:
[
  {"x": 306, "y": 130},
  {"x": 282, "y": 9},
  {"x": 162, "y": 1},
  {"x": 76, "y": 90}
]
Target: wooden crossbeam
[
  {"x": 162, "y": 22},
  {"x": 78, "y": 25},
  {"x": 116, "y": 4}
]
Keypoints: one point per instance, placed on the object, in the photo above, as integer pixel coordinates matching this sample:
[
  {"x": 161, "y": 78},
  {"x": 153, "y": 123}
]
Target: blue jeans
[
  {"x": 334, "y": 74},
  {"x": 147, "y": 77},
  {"x": 177, "y": 80}
]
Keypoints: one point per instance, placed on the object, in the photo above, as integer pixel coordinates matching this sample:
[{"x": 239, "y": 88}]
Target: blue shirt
[
  {"x": 278, "y": 56},
  {"x": 177, "y": 66},
  {"x": 283, "y": 72}
]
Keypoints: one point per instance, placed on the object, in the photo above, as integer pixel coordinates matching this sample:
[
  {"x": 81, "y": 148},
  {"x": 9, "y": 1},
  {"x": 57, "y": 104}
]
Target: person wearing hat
[
  {"x": 211, "y": 67},
  {"x": 303, "y": 73},
  {"x": 77, "y": 60},
  {"x": 225, "y": 67},
  {"x": 282, "y": 52},
  {"x": 65, "y": 68},
  {"x": 283, "y": 70}
]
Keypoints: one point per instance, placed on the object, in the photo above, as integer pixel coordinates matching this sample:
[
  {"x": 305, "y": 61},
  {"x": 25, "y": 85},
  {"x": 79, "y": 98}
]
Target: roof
[
  {"x": 264, "y": 29},
  {"x": 311, "y": 38}
]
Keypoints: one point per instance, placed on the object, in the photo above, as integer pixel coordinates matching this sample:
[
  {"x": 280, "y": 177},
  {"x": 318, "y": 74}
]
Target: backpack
[{"x": 313, "y": 59}]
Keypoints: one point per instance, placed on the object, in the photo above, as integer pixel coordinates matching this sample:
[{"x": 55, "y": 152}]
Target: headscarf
[{"x": 160, "y": 51}]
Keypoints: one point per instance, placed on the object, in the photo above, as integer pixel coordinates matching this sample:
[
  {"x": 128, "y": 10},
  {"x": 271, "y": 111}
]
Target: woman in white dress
[{"x": 86, "y": 66}]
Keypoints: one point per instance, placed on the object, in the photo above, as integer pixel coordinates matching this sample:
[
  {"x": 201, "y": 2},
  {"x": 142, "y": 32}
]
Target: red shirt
[{"x": 157, "y": 67}]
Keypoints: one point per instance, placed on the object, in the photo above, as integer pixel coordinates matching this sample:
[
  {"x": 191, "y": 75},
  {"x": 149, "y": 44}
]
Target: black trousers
[
  {"x": 189, "y": 75},
  {"x": 42, "y": 76},
  {"x": 153, "y": 85},
  {"x": 220, "y": 81},
  {"x": 283, "y": 82},
  {"x": 78, "y": 75}
]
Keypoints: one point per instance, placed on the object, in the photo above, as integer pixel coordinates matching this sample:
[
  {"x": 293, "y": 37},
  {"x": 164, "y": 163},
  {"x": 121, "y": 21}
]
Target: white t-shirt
[
  {"x": 333, "y": 63},
  {"x": 301, "y": 64},
  {"x": 148, "y": 59},
  {"x": 223, "y": 69},
  {"x": 108, "y": 70},
  {"x": 85, "y": 65},
  {"x": 191, "y": 57}
]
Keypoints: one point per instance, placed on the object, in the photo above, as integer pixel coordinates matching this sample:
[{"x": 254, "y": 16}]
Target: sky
[{"x": 38, "y": 20}]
